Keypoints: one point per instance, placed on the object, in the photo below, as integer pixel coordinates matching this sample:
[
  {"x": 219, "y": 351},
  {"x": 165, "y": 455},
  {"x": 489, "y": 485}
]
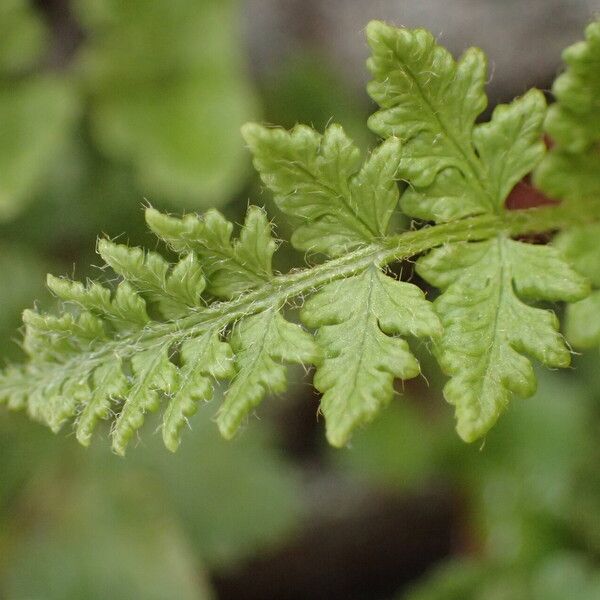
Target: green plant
[{"x": 168, "y": 330}]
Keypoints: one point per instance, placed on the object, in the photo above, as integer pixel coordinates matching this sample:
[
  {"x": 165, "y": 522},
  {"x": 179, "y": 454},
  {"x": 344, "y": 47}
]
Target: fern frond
[
  {"x": 570, "y": 170},
  {"x": 105, "y": 355},
  {"x": 580, "y": 246},
  {"x": 455, "y": 168},
  {"x": 488, "y": 327},
  {"x": 319, "y": 179},
  {"x": 261, "y": 343},
  {"x": 231, "y": 267},
  {"x": 359, "y": 320},
  {"x": 163, "y": 333}
]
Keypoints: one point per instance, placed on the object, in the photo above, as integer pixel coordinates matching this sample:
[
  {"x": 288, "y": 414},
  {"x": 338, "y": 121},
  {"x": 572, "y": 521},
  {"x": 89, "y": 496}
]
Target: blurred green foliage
[
  {"x": 531, "y": 491},
  {"x": 168, "y": 94},
  {"x": 37, "y": 110},
  {"x": 561, "y": 575},
  {"x": 160, "y": 87},
  {"x": 145, "y": 523},
  {"x": 130, "y": 532}
]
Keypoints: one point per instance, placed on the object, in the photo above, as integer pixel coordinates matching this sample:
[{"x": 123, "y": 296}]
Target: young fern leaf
[
  {"x": 173, "y": 292},
  {"x": 574, "y": 121},
  {"x": 488, "y": 327},
  {"x": 118, "y": 355},
  {"x": 343, "y": 206},
  {"x": 319, "y": 179},
  {"x": 570, "y": 170},
  {"x": 580, "y": 246},
  {"x": 202, "y": 359},
  {"x": 231, "y": 267},
  {"x": 455, "y": 168},
  {"x": 124, "y": 310},
  {"x": 359, "y": 319},
  {"x": 166, "y": 332},
  {"x": 261, "y": 343}
]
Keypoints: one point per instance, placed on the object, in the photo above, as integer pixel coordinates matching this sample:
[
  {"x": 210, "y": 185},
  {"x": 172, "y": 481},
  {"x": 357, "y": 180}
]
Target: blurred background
[{"x": 107, "y": 104}]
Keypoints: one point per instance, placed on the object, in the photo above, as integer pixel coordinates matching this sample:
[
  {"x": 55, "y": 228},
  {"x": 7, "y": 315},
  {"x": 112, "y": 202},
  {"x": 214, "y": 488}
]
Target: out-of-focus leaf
[
  {"x": 169, "y": 93},
  {"x": 84, "y": 195},
  {"x": 306, "y": 89},
  {"x": 35, "y": 120},
  {"x": 22, "y": 36},
  {"x": 99, "y": 538},
  {"x": 235, "y": 498},
  {"x": 232, "y": 499},
  {"x": 560, "y": 576},
  {"x": 400, "y": 449},
  {"x": 25, "y": 449},
  {"x": 454, "y": 580},
  {"x": 24, "y": 272},
  {"x": 526, "y": 473}
]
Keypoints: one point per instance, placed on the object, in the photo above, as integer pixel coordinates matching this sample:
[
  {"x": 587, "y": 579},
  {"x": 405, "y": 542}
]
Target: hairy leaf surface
[
  {"x": 156, "y": 332},
  {"x": 116, "y": 352},
  {"x": 230, "y": 266},
  {"x": 261, "y": 343},
  {"x": 455, "y": 168},
  {"x": 570, "y": 170},
  {"x": 488, "y": 328},
  {"x": 359, "y": 321},
  {"x": 319, "y": 178}
]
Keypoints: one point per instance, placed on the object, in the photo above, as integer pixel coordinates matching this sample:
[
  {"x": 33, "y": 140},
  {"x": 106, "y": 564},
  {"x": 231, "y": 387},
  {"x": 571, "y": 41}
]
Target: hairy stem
[{"x": 296, "y": 284}]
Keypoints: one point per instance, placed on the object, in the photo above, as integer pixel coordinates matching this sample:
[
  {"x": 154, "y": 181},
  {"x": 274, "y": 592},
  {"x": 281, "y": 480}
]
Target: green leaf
[
  {"x": 109, "y": 384},
  {"x": 580, "y": 247},
  {"x": 422, "y": 90},
  {"x": 453, "y": 580},
  {"x": 574, "y": 121},
  {"x": 319, "y": 179},
  {"x": 105, "y": 356},
  {"x": 230, "y": 266},
  {"x": 162, "y": 332},
  {"x": 487, "y": 326},
  {"x": 560, "y": 575},
  {"x": 573, "y": 177},
  {"x": 203, "y": 358},
  {"x": 582, "y": 324},
  {"x": 510, "y": 145},
  {"x": 261, "y": 344},
  {"x": 454, "y": 168},
  {"x": 36, "y": 117},
  {"x": 50, "y": 336},
  {"x": 571, "y": 169},
  {"x": 175, "y": 291},
  {"x": 125, "y": 308},
  {"x": 430, "y": 102},
  {"x": 139, "y": 549},
  {"x": 359, "y": 321},
  {"x": 154, "y": 373},
  {"x": 23, "y": 36}
]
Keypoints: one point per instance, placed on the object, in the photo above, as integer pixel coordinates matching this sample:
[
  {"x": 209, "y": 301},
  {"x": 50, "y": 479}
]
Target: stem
[{"x": 295, "y": 284}]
